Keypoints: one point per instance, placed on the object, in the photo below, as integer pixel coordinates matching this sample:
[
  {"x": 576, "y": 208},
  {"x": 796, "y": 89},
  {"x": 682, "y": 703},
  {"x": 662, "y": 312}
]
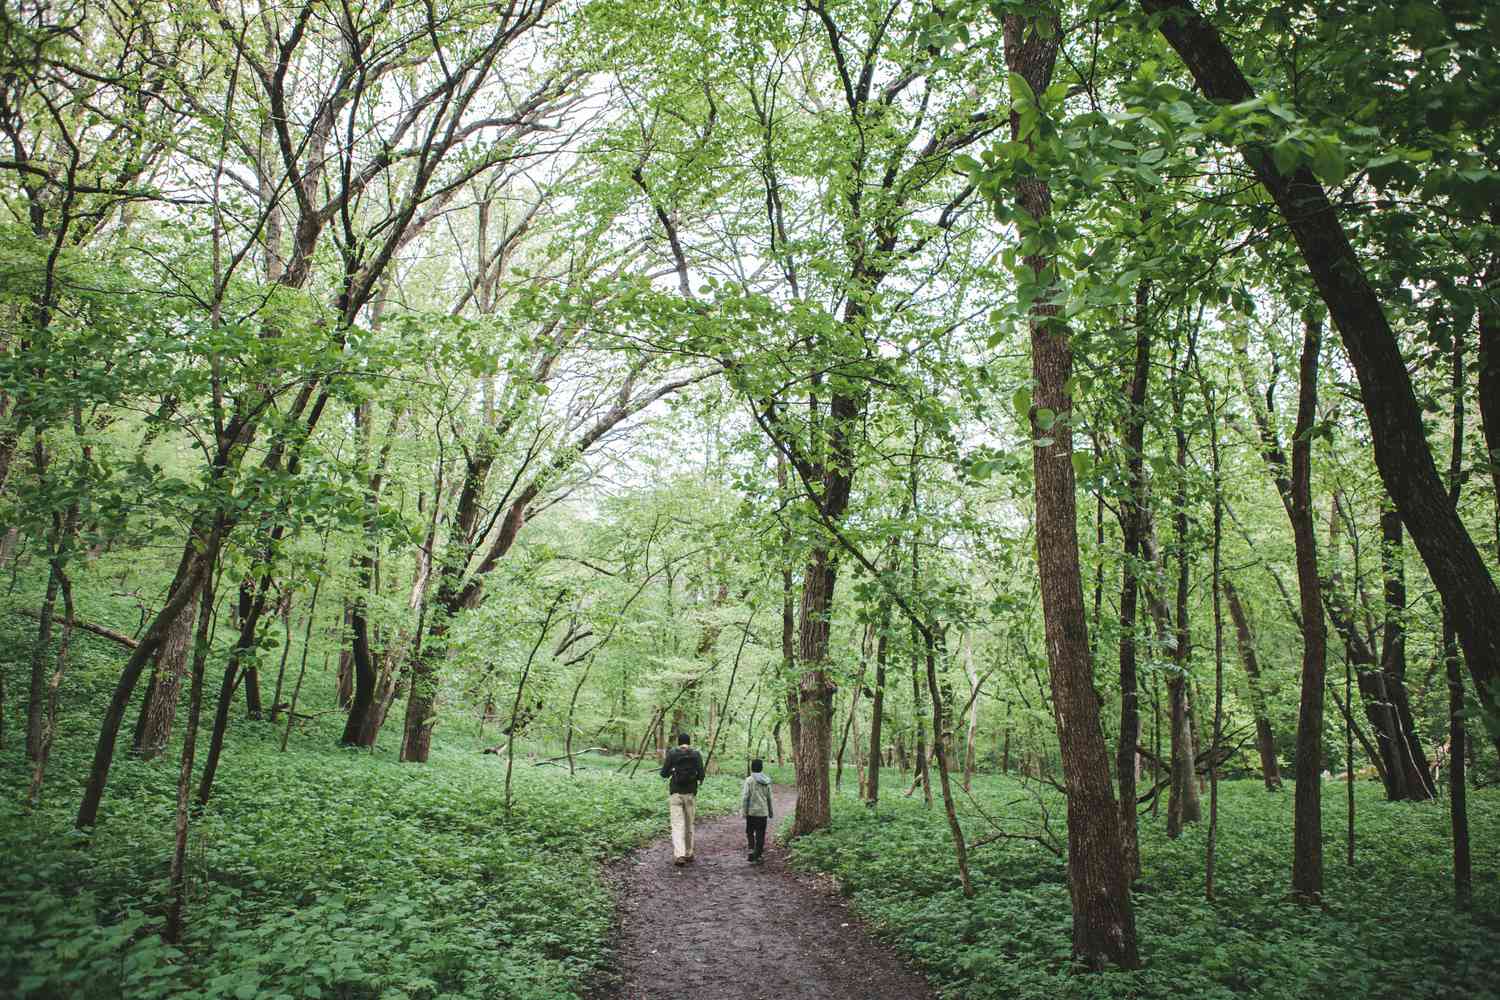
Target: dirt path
[{"x": 724, "y": 929}]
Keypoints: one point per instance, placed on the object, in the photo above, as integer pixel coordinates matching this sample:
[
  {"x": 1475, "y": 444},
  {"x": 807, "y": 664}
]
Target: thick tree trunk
[
  {"x": 815, "y": 689},
  {"x": 36, "y": 705},
  {"x": 362, "y": 705},
  {"x": 1402, "y": 454},
  {"x": 195, "y": 567},
  {"x": 1265, "y": 741},
  {"x": 159, "y": 710},
  {"x": 54, "y": 684},
  {"x": 1489, "y": 367},
  {"x": 1099, "y": 883}
]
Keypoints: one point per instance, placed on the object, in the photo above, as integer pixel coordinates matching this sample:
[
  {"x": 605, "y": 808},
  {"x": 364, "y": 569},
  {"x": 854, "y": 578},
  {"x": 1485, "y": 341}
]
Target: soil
[{"x": 722, "y": 928}]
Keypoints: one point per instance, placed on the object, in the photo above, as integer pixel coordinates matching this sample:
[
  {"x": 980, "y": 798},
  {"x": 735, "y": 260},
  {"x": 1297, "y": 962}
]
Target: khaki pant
[{"x": 682, "y": 807}]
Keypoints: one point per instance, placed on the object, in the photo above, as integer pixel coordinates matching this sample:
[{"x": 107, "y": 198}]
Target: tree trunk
[
  {"x": 1402, "y": 453},
  {"x": 252, "y": 606},
  {"x": 877, "y": 706},
  {"x": 859, "y": 683},
  {"x": 1131, "y": 514},
  {"x": 920, "y": 771},
  {"x": 1183, "y": 803},
  {"x": 159, "y": 710},
  {"x": 193, "y": 570},
  {"x": 788, "y": 629},
  {"x": 345, "y": 681},
  {"x": 357, "y": 725},
  {"x": 1406, "y": 744},
  {"x": 1307, "y": 820},
  {"x": 36, "y": 714},
  {"x": 1099, "y": 884},
  {"x": 177, "y": 876},
  {"x": 1458, "y": 788},
  {"x": 1265, "y": 742},
  {"x": 967, "y": 655},
  {"x": 814, "y": 692},
  {"x": 960, "y": 849},
  {"x": 54, "y": 683},
  {"x": 1489, "y": 367}
]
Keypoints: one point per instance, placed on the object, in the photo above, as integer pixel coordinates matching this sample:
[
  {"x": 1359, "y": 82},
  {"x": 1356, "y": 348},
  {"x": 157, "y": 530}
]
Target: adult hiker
[
  {"x": 684, "y": 766},
  {"x": 755, "y": 803}
]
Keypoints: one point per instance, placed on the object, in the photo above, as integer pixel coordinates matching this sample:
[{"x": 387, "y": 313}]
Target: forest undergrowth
[
  {"x": 1386, "y": 928},
  {"x": 314, "y": 873}
]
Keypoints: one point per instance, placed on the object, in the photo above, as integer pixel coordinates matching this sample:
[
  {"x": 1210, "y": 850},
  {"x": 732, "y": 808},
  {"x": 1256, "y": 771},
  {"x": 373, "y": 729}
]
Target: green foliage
[
  {"x": 318, "y": 872},
  {"x": 1387, "y": 928}
]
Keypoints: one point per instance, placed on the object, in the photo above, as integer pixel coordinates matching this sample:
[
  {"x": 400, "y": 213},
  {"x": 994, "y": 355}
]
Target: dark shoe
[
  {"x": 690, "y": 858},
  {"x": 679, "y": 862},
  {"x": 751, "y": 857}
]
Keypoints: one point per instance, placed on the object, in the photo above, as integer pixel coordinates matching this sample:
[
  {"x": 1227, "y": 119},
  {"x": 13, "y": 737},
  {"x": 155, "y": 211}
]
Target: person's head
[
  {"x": 757, "y": 765},
  {"x": 683, "y": 739}
]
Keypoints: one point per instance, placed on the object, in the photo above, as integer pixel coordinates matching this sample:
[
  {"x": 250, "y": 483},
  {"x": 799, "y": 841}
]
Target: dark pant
[{"x": 755, "y": 833}]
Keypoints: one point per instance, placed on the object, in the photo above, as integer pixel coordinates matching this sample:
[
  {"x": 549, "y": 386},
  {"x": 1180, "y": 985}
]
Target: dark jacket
[{"x": 687, "y": 785}]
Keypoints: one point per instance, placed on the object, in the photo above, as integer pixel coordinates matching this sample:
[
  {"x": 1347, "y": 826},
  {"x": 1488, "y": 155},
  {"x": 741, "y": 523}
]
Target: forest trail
[{"x": 724, "y": 929}]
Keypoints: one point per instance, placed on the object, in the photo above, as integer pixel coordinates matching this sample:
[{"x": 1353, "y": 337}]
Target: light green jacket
[{"x": 755, "y": 797}]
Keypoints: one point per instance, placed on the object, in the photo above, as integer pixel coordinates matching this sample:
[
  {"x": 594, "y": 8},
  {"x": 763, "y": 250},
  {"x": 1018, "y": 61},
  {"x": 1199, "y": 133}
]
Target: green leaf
[
  {"x": 1020, "y": 91},
  {"x": 1329, "y": 164},
  {"x": 1286, "y": 156},
  {"x": 1020, "y": 400}
]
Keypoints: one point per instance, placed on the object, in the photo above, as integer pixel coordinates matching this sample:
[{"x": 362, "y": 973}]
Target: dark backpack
[{"x": 684, "y": 766}]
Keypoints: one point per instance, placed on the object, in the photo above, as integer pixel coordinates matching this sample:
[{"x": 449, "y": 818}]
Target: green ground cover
[
  {"x": 318, "y": 872},
  {"x": 1386, "y": 930}
]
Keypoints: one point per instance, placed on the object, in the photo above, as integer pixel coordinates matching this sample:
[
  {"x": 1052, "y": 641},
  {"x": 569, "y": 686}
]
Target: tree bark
[
  {"x": 36, "y": 714},
  {"x": 814, "y": 693},
  {"x": 960, "y": 849},
  {"x": 1131, "y": 513},
  {"x": 1399, "y": 756},
  {"x": 1183, "y": 803},
  {"x": 159, "y": 710},
  {"x": 1402, "y": 453},
  {"x": 195, "y": 567},
  {"x": 1458, "y": 787},
  {"x": 921, "y": 773},
  {"x": 1406, "y": 744},
  {"x": 177, "y": 877},
  {"x": 1307, "y": 819},
  {"x": 1103, "y": 921},
  {"x": 1489, "y": 366},
  {"x": 1265, "y": 741},
  {"x": 877, "y": 705}
]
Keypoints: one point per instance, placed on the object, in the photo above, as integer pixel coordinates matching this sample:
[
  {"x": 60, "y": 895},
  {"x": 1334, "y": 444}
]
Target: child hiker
[{"x": 755, "y": 803}]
